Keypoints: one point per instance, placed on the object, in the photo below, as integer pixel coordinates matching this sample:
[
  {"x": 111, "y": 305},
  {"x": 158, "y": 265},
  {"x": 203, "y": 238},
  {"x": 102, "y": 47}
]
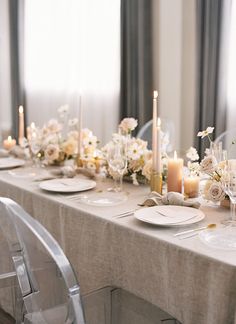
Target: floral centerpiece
[
  {"x": 57, "y": 140},
  {"x": 209, "y": 168},
  {"x": 139, "y": 157}
]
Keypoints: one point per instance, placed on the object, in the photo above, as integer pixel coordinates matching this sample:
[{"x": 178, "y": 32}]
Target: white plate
[
  {"x": 105, "y": 199},
  {"x": 169, "y": 215},
  {"x": 9, "y": 163},
  {"x": 67, "y": 185},
  {"x": 221, "y": 239}
]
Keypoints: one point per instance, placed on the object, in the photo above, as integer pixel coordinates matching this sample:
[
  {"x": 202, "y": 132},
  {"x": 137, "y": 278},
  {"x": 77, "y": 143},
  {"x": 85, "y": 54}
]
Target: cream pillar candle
[
  {"x": 175, "y": 174},
  {"x": 9, "y": 143},
  {"x": 191, "y": 186},
  {"x": 21, "y": 125},
  {"x": 154, "y": 131}
]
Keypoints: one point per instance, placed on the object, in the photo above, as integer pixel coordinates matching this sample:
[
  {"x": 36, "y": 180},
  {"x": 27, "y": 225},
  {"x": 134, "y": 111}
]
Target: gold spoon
[{"x": 209, "y": 226}]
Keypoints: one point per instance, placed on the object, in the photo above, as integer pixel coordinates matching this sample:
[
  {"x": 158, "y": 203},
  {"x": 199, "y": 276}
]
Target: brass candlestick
[
  {"x": 78, "y": 161},
  {"x": 156, "y": 182}
]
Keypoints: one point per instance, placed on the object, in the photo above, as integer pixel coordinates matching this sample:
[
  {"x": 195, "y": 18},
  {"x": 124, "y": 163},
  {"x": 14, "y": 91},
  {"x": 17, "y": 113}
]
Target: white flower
[
  {"x": 194, "y": 167},
  {"x": 107, "y": 148},
  {"x": 53, "y": 126},
  {"x": 50, "y": 139},
  {"x": 73, "y": 122},
  {"x": 134, "y": 151},
  {"x": 192, "y": 154},
  {"x": 86, "y": 132},
  {"x": 52, "y": 152},
  {"x": 147, "y": 170},
  {"x": 73, "y": 134},
  {"x": 63, "y": 109},
  {"x": 208, "y": 164},
  {"x": 90, "y": 141},
  {"x": 70, "y": 146},
  {"x": 215, "y": 192},
  {"x": 128, "y": 124},
  {"x": 206, "y": 132}
]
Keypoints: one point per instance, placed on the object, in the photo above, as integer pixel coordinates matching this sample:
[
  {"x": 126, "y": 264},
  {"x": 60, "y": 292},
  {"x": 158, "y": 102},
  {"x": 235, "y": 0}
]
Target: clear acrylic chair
[
  {"x": 46, "y": 288},
  {"x": 168, "y": 131}
]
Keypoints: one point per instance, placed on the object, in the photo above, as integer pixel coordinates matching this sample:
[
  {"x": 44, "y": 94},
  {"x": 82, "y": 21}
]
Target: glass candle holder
[{"x": 191, "y": 186}]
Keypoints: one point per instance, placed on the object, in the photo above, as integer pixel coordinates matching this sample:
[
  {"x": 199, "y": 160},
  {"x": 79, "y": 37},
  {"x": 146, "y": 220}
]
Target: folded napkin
[
  {"x": 3, "y": 153},
  {"x": 19, "y": 152},
  {"x": 171, "y": 198}
]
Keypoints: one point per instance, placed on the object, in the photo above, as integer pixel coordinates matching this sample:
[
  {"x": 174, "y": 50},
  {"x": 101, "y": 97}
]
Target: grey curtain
[
  {"x": 213, "y": 18},
  {"x": 16, "y": 9},
  {"x": 136, "y": 60}
]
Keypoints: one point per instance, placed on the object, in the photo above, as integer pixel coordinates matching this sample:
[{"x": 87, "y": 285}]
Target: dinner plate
[
  {"x": 67, "y": 185},
  {"x": 169, "y": 215},
  {"x": 105, "y": 199},
  {"x": 222, "y": 238},
  {"x": 9, "y": 163}
]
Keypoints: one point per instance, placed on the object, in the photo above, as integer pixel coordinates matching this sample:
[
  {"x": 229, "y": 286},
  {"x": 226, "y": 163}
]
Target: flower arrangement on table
[
  {"x": 139, "y": 157},
  {"x": 209, "y": 167},
  {"x": 57, "y": 140}
]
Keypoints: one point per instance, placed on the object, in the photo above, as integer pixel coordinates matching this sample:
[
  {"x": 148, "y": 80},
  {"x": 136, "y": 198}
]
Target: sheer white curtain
[
  {"x": 231, "y": 93},
  {"x": 72, "y": 47}
]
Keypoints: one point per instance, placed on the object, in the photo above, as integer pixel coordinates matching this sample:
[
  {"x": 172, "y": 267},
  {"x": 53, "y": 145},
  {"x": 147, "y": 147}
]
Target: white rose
[
  {"x": 128, "y": 124},
  {"x": 215, "y": 192},
  {"x": 52, "y": 152},
  {"x": 208, "y": 164}
]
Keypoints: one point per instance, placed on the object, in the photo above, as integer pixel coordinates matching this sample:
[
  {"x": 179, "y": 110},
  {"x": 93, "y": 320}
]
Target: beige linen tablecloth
[{"x": 187, "y": 279}]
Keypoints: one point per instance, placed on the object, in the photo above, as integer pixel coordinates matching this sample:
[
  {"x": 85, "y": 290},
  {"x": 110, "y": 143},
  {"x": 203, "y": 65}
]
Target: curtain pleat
[
  {"x": 16, "y": 8},
  {"x": 212, "y": 48},
  {"x": 136, "y": 60}
]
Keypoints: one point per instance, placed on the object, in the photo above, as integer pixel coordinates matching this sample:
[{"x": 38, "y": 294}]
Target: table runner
[{"x": 187, "y": 279}]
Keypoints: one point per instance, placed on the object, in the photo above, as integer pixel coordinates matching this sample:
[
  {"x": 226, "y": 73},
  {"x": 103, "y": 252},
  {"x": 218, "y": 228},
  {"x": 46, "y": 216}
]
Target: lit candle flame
[
  {"x": 21, "y": 109},
  {"x": 32, "y": 125},
  {"x": 158, "y": 122},
  {"x": 175, "y": 155},
  {"x": 9, "y": 138},
  {"x": 155, "y": 94}
]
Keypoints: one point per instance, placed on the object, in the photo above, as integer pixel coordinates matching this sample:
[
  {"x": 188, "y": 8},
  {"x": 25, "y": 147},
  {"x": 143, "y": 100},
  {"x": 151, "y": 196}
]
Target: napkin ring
[{"x": 156, "y": 182}]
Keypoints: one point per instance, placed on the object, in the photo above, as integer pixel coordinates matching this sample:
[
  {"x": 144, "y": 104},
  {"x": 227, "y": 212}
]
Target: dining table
[{"x": 186, "y": 278}]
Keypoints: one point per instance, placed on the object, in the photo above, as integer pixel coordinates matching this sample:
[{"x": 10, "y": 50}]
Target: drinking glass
[
  {"x": 117, "y": 161},
  {"x": 229, "y": 182}
]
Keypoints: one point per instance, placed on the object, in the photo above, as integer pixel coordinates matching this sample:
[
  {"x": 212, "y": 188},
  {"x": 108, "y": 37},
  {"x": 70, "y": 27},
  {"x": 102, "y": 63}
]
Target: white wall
[
  {"x": 174, "y": 65},
  {"x": 5, "y": 95}
]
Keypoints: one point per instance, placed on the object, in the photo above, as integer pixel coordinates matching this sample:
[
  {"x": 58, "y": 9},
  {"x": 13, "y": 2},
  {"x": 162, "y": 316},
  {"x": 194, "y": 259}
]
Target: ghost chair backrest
[
  {"x": 167, "y": 135},
  {"x": 48, "y": 287}
]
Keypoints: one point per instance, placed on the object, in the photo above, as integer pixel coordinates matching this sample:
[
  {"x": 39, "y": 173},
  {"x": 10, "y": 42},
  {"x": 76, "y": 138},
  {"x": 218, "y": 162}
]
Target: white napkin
[
  {"x": 171, "y": 198},
  {"x": 3, "y": 153}
]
